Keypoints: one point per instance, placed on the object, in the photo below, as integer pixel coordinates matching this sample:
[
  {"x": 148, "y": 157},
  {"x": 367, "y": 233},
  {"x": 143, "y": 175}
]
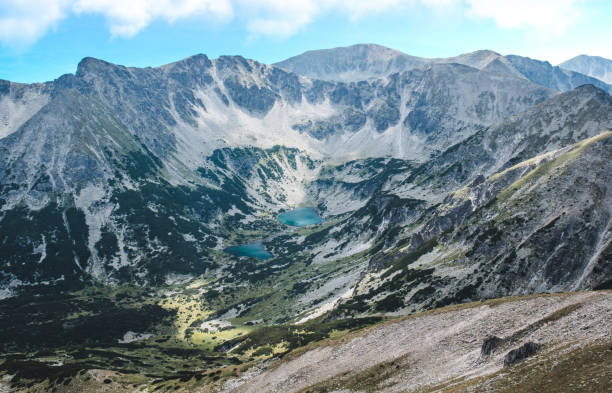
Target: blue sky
[{"x": 43, "y": 39}]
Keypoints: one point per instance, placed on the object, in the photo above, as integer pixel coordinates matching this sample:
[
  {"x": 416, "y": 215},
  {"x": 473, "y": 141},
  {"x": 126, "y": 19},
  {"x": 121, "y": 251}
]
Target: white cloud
[
  {"x": 362, "y": 8},
  {"x": 280, "y": 18},
  {"x": 25, "y": 21},
  {"x": 546, "y": 16},
  {"x": 22, "y": 22},
  {"x": 128, "y": 17}
]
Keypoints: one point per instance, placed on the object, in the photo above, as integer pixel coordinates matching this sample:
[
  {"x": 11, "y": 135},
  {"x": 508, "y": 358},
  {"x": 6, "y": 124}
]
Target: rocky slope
[
  {"x": 403, "y": 196},
  {"x": 594, "y": 66},
  {"x": 570, "y": 330},
  {"x": 540, "y": 225}
]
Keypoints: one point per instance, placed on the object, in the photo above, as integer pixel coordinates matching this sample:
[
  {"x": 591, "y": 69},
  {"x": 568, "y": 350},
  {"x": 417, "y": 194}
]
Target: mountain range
[
  {"x": 439, "y": 182},
  {"x": 362, "y": 62}
]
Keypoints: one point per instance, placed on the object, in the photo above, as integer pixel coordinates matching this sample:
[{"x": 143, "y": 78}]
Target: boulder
[{"x": 518, "y": 354}]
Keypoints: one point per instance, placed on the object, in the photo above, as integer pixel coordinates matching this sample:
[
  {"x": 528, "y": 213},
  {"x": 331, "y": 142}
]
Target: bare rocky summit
[{"x": 594, "y": 66}]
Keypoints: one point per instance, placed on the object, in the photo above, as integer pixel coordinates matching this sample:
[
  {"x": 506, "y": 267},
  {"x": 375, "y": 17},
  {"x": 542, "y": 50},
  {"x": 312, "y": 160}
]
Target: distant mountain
[
  {"x": 485, "y": 60},
  {"x": 351, "y": 63},
  {"x": 595, "y": 66},
  {"x": 543, "y": 73},
  {"x": 359, "y": 62}
]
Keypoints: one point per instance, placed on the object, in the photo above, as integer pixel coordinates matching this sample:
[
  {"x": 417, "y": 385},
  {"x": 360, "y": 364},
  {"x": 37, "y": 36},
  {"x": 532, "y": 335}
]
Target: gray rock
[
  {"x": 252, "y": 98},
  {"x": 516, "y": 355},
  {"x": 489, "y": 344}
]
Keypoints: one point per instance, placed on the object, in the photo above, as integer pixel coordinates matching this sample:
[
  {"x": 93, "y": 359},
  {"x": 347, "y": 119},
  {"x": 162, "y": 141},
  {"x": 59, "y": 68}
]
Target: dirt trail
[{"x": 438, "y": 347}]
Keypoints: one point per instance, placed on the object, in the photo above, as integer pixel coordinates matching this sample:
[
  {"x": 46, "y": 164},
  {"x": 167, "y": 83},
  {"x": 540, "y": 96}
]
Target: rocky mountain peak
[
  {"x": 594, "y": 66},
  {"x": 195, "y": 63},
  {"x": 352, "y": 63},
  {"x": 91, "y": 66}
]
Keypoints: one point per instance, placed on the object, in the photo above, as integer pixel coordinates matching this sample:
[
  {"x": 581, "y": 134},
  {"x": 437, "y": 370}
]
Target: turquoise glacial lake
[
  {"x": 253, "y": 250},
  {"x": 301, "y": 217}
]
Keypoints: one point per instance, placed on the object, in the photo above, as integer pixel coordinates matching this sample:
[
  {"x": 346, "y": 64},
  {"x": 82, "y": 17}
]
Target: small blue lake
[
  {"x": 253, "y": 250},
  {"x": 301, "y": 217}
]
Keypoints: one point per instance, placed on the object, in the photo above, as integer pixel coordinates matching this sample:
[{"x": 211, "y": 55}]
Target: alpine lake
[{"x": 298, "y": 217}]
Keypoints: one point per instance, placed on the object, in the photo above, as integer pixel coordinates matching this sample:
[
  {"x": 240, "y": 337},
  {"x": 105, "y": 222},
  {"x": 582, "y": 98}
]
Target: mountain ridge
[
  {"x": 320, "y": 64},
  {"x": 241, "y": 91}
]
